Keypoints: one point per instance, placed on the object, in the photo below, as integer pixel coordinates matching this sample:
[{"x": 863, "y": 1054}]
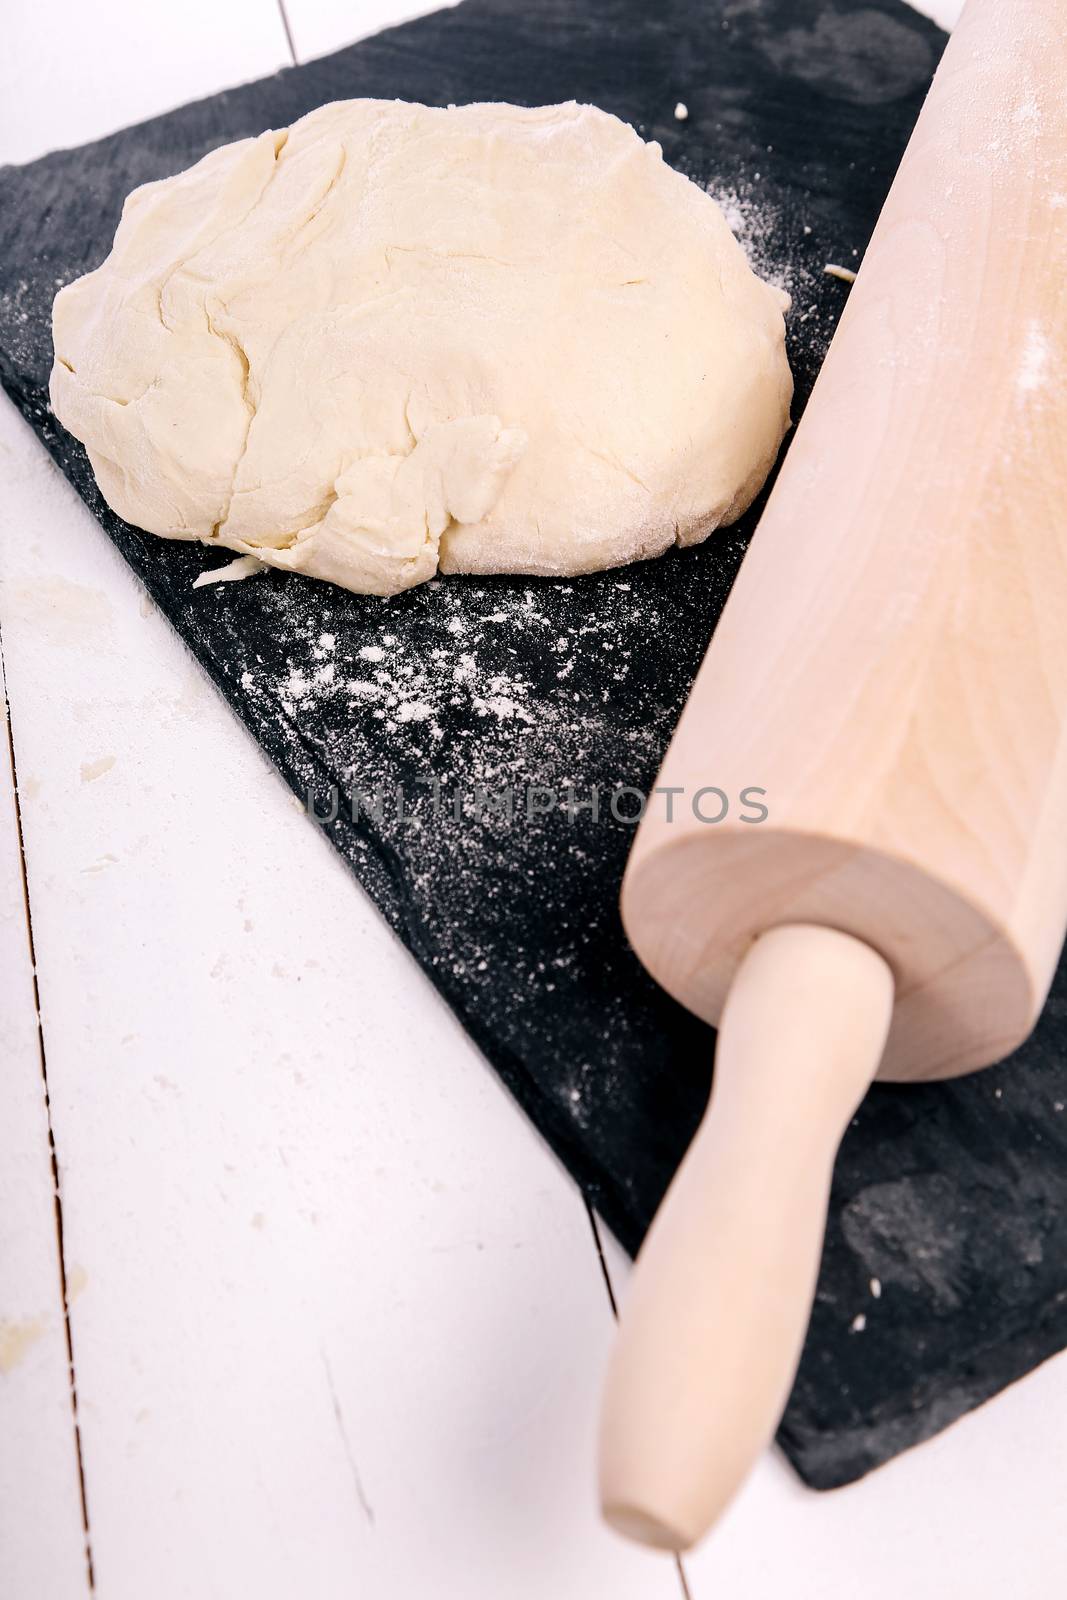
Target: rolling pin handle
[{"x": 714, "y": 1321}]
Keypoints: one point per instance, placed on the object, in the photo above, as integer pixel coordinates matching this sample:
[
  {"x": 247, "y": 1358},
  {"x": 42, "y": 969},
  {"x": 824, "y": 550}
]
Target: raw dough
[{"x": 498, "y": 339}]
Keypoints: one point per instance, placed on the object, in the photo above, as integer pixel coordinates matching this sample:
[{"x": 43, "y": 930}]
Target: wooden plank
[
  {"x": 342, "y": 1318},
  {"x": 319, "y": 26},
  {"x": 42, "y": 1539},
  {"x": 76, "y": 72},
  {"x": 944, "y": 12}
]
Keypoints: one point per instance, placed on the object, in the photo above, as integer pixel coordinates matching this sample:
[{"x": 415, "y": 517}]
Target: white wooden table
[{"x": 337, "y": 1317}]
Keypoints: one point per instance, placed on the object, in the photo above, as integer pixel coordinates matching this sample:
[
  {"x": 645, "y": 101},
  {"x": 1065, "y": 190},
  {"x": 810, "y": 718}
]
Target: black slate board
[{"x": 953, "y": 1197}]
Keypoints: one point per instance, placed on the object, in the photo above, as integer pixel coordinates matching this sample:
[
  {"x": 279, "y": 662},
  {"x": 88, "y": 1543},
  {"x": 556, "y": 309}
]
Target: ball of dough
[{"x": 394, "y": 339}]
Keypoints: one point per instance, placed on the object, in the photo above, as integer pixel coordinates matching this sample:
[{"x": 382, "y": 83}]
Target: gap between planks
[
  {"x": 288, "y": 31},
  {"x": 605, "y": 1271},
  {"x": 53, "y": 1158}
]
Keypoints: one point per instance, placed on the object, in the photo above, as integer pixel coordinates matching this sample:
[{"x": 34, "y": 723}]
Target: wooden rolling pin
[{"x": 892, "y": 669}]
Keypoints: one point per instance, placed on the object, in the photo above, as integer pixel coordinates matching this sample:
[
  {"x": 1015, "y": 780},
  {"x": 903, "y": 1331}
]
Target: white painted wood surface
[
  {"x": 84, "y": 70},
  {"x": 318, "y": 26},
  {"x": 42, "y": 1545},
  {"x": 338, "y": 1321},
  {"x": 342, "y": 1315}
]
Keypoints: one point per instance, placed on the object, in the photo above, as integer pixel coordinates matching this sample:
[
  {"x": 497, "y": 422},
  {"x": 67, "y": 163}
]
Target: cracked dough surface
[{"x": 393, "y": 338}]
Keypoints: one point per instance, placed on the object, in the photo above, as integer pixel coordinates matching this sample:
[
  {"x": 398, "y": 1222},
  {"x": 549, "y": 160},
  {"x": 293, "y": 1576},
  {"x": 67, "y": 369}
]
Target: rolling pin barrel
[{"x": 891, "y": 669}]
